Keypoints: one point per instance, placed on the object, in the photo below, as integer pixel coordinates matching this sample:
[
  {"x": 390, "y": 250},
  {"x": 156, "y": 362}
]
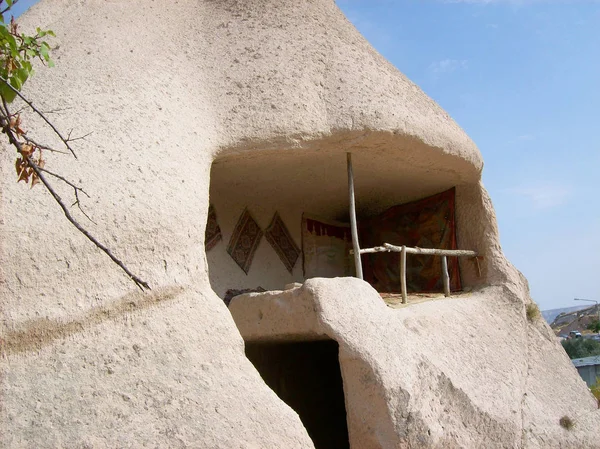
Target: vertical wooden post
[
  {"x": 403, "y": 274},
  {"x": 353, "y": 226},
  {"x": 445, "y": 276}
]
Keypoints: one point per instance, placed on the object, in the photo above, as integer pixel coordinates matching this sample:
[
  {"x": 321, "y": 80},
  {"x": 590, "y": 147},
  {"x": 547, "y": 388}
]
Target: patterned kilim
[
  {"x": 281, "y": 241},
  {"x": 427, "y": 223},
  {"x": 213, "y": 231},
  {"x": 244, "y": 241}
]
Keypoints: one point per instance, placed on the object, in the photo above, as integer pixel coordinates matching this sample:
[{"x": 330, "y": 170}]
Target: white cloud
[
  {"x": 543, "y": 196},
  {"x": 447, "y": 66}
]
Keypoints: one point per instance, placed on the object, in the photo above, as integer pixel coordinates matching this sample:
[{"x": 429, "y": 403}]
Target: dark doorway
[{"x": 307, "y": 377}]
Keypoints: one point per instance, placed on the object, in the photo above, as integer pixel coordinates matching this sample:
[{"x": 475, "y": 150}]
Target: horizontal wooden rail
[
  {"x": 387, "y": 248},
  {"x": 404, "y": 250}
]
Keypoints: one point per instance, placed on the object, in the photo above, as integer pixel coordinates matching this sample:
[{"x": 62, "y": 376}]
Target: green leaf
[
  {"x": 21, "y": 74},
  {"x": 45, "y": 51},
  {"x": 6, "y": 92},
  {"x": 16, "y": 82},
  {"x": 12, "y": 43}
]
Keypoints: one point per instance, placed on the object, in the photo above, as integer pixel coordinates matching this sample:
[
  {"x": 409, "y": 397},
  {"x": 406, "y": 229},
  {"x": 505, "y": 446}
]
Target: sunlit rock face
[{"x": 249, "y": 104}]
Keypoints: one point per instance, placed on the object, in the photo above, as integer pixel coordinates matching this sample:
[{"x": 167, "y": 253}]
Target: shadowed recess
[{"x": 307, "y": 377}]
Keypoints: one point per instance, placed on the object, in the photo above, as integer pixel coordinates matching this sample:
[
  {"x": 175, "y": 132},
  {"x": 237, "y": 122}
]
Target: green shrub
[
  {"x": 578, "y": 348},
  {"x": 532, "y": 311},
  {"x": 596, "y": 390},
  {"x": 594, "y": 326}
]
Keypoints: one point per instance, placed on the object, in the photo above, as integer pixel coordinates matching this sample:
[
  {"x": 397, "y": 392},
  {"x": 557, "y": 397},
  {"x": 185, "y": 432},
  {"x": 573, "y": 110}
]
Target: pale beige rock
[
  {"x": 463, "y": 372},
  {"x": 275, "y": 93}
]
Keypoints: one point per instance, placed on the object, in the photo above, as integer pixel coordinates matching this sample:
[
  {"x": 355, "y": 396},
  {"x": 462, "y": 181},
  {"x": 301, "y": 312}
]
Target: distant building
[{"x": 588, "y": 368}]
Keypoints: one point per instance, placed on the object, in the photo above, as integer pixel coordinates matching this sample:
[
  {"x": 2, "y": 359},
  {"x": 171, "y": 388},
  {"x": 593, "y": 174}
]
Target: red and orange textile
[{"x": 427, "y": 223}]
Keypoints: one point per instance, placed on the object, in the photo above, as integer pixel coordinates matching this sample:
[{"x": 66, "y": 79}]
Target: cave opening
[
  {"x": 277, "y": 218},
  {"x": 307, "y": 377}
]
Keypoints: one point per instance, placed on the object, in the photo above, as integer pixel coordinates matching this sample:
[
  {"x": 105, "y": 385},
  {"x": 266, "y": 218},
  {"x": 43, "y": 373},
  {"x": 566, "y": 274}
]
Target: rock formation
[{"x": 256, "y": 102}]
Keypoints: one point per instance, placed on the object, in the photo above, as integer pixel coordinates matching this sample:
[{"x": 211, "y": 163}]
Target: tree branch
[
  {"x": 139, "y": 282},
  {"x": 8, "y": 8},
  {"x": 73, "y": 139},
  {"x": 76, "y": 190},
  {"x": 41, "y": 145},
  {"x": 39, "y": 171},
  {"x": 65, "y": 141}
]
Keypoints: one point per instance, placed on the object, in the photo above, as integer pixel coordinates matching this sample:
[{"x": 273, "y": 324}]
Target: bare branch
[
  {"x": 41, "y": 145},
  {"x": 78, "y": 203},
  {"x": 73, "y": 139},
  {"x": 8, "y": 8},
  {"x": 76, "y": 190},
  {"x": 65, "y": 141},
  {"x": 139, "y": 282},
  {"x": 66, "y": 181},
  {"x": 6, "y": 128}
]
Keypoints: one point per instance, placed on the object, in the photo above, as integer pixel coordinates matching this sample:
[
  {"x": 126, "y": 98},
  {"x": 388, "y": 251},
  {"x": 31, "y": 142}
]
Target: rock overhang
[
  {"x": 319, "y": 78},
  {"x": 389, "y": 169},
  {"x": 261, "y": 75}
]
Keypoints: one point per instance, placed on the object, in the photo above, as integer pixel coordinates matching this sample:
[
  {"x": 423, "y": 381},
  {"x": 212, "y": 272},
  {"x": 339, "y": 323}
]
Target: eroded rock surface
[
  {"x": 460, "y": 372},
  {"x": 167, "y": 88}
]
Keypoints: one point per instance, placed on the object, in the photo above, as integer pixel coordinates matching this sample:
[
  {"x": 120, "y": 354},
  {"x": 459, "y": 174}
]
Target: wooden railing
[{"x": 404, "y": 250}]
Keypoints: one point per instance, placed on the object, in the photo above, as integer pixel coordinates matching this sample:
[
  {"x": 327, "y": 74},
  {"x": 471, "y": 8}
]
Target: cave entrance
[
  {"x": 280, "y": 217},
  {"x": 307, "y": 377}
]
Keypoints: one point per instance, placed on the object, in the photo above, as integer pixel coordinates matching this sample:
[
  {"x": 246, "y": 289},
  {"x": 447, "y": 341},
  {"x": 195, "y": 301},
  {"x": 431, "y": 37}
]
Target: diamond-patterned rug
[
  {"x": 244, "y": 241},
  {"x": 212, "y": 235},
  {"x": 281, "y": 241}
]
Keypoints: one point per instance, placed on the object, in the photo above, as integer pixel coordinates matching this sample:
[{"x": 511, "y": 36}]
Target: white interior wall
[{"x": 267, "y": 269}]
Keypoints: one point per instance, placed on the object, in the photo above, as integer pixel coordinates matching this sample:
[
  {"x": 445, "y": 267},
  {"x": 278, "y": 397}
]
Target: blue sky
[
  {"x": 20, "y": 6},
  {"x": 521, "y": 77}
]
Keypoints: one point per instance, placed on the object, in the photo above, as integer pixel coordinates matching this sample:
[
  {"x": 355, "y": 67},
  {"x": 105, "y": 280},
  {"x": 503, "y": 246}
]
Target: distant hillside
[{"x": 550, "y": 315}]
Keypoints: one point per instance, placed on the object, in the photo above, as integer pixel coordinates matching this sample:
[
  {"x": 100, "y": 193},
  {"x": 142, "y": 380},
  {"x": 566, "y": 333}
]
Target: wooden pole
[
  {"x": 403, "y": 274},
  {"x": 353, "y": 226},
  {"x": 445, "y": 276},
  {"x": 387, "y": 248}
]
